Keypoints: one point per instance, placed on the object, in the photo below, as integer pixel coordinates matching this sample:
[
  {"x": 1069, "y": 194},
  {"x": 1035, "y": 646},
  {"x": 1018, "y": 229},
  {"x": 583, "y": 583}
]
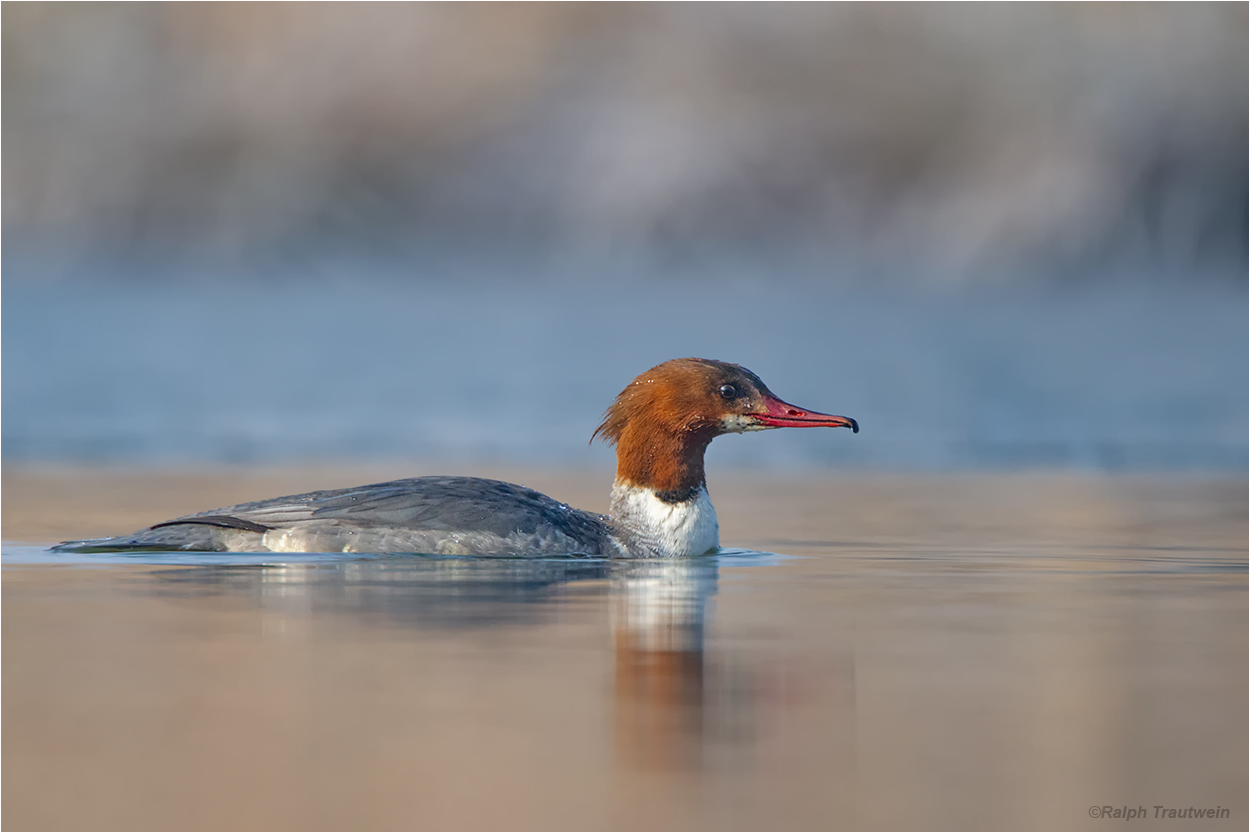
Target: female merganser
[{"x": 661, "y": 424}]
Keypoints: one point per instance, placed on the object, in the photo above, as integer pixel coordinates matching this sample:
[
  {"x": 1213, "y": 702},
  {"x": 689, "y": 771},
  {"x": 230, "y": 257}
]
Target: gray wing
[
  {"x": 470, "y": 505},
  {"x": 425, "y": 503}
]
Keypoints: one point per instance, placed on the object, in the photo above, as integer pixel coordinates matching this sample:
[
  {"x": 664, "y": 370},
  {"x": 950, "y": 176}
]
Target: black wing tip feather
[
  {"x": 101, "y": 545},
  {"x": 223, "y": 521}
]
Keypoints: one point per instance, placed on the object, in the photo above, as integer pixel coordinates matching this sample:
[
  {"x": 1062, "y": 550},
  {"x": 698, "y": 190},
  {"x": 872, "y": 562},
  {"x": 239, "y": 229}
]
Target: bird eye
[{"x": 728, "y": 391}]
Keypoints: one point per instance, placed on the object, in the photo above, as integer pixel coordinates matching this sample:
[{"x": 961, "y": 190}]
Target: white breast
[{"x": 668, "y": 530}]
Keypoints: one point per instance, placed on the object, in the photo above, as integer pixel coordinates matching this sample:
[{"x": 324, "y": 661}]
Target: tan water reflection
[
  {"x": 658, "y": 619},
  {"x": 1047, "y": 649}
]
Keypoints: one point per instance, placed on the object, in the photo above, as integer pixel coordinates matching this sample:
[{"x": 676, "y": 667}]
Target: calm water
[
  {"x": 941, "y": 652},
  {"x": 485, "y": 368}
]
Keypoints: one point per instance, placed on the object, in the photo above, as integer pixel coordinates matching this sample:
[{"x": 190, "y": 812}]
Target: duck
[{"x": 661, "y": 425}]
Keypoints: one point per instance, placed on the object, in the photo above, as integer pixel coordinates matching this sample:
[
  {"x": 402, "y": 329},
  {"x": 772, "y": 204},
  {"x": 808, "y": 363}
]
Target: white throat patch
[
  {"x": 740, "y": 424},
  {"x": 667, "y": 530}
]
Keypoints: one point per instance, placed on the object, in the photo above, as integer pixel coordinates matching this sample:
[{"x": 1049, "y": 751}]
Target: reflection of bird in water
[
  {"x": 404, "y": 591},
  {"x": 658, "y": 611},
  {"x": 669, "y": 699}
]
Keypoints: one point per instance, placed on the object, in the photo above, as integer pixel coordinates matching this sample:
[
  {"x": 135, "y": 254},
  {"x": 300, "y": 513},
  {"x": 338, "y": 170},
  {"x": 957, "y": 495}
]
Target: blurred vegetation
[{"x": 971, "y": 140}]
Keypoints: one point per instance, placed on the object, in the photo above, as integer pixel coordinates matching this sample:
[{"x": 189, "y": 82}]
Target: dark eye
[{"x": 728, "y": 391}]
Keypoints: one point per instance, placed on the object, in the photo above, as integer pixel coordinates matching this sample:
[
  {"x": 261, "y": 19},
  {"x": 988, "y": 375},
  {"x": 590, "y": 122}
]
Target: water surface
[{"x": 938, "y": 652}]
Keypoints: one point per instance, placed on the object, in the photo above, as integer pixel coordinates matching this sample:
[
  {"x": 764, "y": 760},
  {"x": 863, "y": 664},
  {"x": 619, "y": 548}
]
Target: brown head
[{"x": 663, "y": 421}]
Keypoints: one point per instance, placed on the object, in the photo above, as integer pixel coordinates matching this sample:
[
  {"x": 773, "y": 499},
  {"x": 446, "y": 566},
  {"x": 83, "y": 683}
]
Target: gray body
[{"x": 436, "y": 515}]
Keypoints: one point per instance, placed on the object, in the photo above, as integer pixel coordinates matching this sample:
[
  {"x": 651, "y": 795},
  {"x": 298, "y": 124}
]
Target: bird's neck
[
  {"x": 668, "y": 462},
  {"x": 660, "y": 502},
  {"x": 655, "y": 525}
]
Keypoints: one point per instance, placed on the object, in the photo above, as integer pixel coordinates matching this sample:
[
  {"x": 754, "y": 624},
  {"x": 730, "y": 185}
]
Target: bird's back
[{"x": 438, "y": 515}]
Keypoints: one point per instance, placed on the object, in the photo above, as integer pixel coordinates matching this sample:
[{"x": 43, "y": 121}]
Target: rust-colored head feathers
[
  {"x": 681, "y": 395},
  {"x": 662, "y": 422}
]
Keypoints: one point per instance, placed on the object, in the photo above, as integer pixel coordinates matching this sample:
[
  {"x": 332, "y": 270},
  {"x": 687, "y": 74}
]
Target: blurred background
[{"x": 1000, "y": 236}]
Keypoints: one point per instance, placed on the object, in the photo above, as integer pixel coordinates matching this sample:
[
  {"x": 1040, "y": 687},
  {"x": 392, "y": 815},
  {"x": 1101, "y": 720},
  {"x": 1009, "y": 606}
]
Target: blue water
[{"x": 232, "y": 371}]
